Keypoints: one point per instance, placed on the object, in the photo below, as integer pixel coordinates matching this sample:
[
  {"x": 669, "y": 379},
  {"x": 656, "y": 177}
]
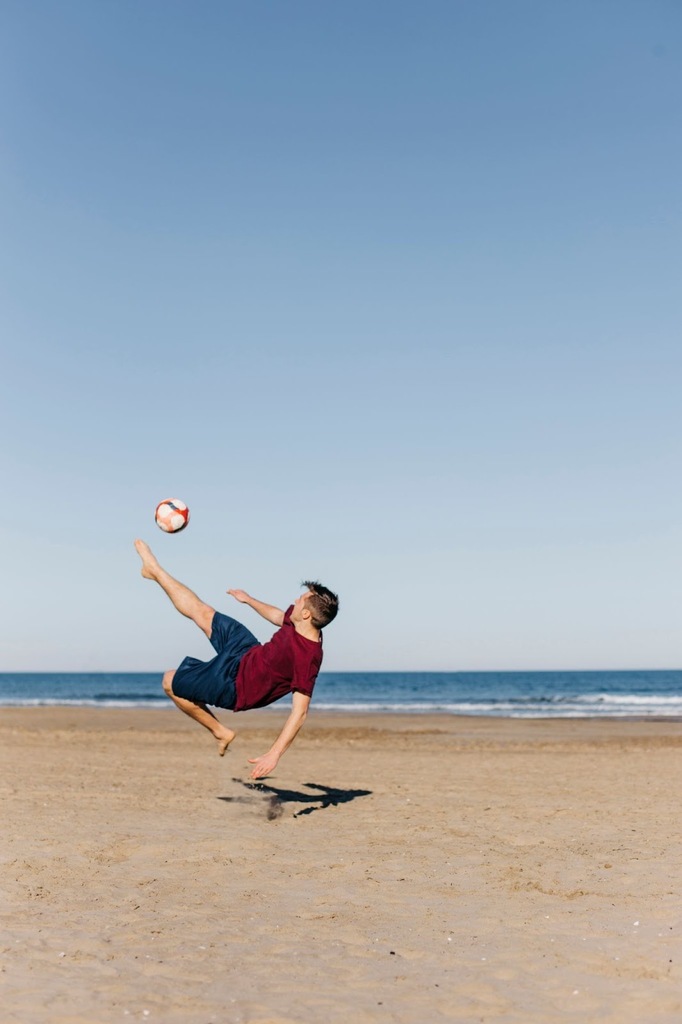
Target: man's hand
[
  {"x": 240, "y": 595},
  {"x": 268, "y": 762},
  {"x": 263, "y": 765}
]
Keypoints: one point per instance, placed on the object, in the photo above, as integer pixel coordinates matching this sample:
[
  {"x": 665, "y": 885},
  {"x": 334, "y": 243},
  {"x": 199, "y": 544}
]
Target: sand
[{"x": 394, "y": 869}]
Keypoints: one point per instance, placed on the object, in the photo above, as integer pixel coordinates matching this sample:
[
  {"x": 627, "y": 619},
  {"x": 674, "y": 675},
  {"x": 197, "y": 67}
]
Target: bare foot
[
  {"x": 224, "y": 740},
  {"x": 149, "y": 562}
]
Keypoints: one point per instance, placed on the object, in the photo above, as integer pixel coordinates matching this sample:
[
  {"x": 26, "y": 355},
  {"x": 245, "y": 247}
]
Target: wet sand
[{"x": 394, "y": 868}]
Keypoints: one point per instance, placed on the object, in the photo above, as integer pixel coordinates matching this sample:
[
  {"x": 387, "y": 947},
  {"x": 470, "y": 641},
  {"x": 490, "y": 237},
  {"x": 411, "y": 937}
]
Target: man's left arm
[{"x": 267, "y": 763}]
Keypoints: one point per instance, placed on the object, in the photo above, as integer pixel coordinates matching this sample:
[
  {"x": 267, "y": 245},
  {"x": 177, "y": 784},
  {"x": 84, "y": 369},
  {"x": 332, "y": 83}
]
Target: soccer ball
[{"x": 172, "y": 515}]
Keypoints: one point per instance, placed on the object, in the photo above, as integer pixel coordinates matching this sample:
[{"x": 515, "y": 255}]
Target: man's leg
[
  {"x": 185, "y": 600},
  {"x": 200, "y": 713},
  {"x": 188, "y": 604}
]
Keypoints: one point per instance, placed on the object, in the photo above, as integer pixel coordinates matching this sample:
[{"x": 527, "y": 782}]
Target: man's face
[{"x": 299, "y": 605}]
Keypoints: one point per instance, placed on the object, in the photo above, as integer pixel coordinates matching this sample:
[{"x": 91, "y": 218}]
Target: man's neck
[{"x": 308, "y": 631}]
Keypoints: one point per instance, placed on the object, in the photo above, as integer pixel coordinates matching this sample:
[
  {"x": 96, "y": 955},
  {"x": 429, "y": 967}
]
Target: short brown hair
[{"x": 323, "y": 604}]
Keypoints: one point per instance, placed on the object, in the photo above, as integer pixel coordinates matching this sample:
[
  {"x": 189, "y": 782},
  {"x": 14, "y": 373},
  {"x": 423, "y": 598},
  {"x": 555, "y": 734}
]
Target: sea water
[{"x": 505, "y": 694}]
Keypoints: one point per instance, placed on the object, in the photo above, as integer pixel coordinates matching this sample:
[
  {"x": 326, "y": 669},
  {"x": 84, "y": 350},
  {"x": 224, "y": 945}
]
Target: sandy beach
[{"x": 395, "y": 868}]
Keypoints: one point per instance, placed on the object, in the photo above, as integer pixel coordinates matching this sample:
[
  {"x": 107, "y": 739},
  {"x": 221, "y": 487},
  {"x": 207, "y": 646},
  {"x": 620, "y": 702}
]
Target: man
[{"x": 245, "y": 674}]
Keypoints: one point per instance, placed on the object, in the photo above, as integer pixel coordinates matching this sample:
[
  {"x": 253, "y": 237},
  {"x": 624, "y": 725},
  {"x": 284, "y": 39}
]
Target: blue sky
[{"x": 388, "y": 293}]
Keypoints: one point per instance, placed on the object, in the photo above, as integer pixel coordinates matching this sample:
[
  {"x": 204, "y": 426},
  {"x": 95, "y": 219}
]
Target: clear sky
[{"x": 388, "y": 292}]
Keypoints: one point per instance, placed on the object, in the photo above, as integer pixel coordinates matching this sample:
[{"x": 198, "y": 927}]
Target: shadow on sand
[{"x": 326, "y": 796}]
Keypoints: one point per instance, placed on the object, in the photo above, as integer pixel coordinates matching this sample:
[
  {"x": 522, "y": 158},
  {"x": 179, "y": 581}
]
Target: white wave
[
  {"x": 626, "y": 698},
  {"x": 585, "y": 706},
  {"x": 512, "y": 710},
  {"x": 38, "y": 702}
]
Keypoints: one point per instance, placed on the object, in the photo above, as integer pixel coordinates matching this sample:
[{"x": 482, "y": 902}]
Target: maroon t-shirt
[{"x": 285, "y": 663}]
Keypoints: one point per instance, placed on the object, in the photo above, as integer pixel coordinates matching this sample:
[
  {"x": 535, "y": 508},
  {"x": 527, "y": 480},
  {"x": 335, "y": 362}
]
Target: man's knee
[
  {"x": 204, "y": 619},
  {"x": 168, "y": 682}
]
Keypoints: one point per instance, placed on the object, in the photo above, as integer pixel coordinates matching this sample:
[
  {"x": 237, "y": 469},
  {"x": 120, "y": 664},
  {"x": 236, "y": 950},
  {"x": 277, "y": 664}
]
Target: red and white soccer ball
[{"x": 172, "y": 515}]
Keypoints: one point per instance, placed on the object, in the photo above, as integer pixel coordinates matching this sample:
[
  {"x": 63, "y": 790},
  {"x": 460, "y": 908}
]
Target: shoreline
[{"x": 56, "y": 715}]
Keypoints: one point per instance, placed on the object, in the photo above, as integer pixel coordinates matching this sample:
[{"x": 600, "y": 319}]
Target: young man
[{"x": 244, "y": 673}]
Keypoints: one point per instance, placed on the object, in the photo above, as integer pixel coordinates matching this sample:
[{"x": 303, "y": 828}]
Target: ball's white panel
[{"x": 172, "y": 515}]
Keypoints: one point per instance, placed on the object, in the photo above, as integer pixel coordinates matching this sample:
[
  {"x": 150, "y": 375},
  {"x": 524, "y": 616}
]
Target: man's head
[{"x": 318, "y": 604}]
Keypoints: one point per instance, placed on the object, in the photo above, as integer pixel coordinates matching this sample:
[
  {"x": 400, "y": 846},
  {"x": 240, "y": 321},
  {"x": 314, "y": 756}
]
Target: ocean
[{"x": 503, "y": 694}]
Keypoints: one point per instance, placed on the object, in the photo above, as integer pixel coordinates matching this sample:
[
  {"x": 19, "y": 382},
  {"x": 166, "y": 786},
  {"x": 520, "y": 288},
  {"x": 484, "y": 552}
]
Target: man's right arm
[{"x": 268, "y": 611}]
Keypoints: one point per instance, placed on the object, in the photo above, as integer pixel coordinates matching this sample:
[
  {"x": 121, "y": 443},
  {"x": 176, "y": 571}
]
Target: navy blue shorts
[{"x": 213, "y": 682}]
